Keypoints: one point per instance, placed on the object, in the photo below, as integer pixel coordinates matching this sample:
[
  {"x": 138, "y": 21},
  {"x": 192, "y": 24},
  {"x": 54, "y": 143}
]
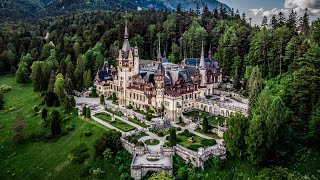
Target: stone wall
[{"x": 233, "y": 95}]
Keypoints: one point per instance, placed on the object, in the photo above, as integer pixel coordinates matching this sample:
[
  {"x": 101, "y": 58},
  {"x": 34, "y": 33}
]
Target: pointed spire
[
  {"x": 202, "y": 63},
  {"x": 159, "y": 57},
  {"x": 126, "y": 34},
  {"x": 210, "y": 53}
]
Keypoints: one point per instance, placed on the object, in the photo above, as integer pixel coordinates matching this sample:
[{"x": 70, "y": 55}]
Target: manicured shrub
[
  {"x": 129, "y": 138},
  {"x": 160, "y": 134},
  {"x": 130, "y": 106},
  {"x": 55, "y": 123},
  {"x": 140, "y": 144},
  {"x": 179, "y": 129},
  {"x": 187, "y": 133},
  {"x": 88, "y": 113},
  {"x": 51, "y": 99},
  {"x": 194, "y": 147},
  {"x": 134, "y": 141},
  {"x": 208, "y": 142}
]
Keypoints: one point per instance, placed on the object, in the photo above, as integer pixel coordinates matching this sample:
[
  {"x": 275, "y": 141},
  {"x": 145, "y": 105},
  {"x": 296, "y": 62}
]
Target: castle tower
[
  {"x": 202, "y": 68},
  {"x": 159, "y": 80}
]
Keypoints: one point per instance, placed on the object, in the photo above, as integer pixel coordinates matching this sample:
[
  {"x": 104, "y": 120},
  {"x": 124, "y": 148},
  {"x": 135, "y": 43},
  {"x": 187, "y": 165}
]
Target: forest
[{"x": 276, "y": 65}]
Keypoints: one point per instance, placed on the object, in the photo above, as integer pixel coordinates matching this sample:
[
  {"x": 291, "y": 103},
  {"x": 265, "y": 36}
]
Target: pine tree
[
  {"x": 172, "y": 137},
  {"x": 198, "y": 9},
  {"x": 255, "y": 87},
  {"x": 69, "y": 87},
  {"x": 52, "y": 80},
  {"x": 264, "y": 23},
  {"x": 274, "y": 22},
  {"x": 281, "y": 19},
  {"x": 304, "y": 23},
  {"x": 102, "y": 100},
  {"x": 22, "y": 73},
  {"x": 59, "y": 88},
  {"x": 44, "y": 113},
  {"x": 235, "y": 136},
  {"x": 205, "y": 125},
  {"x": 88, "y": 113},
  {"x": 55, "y": 123},
  {"x": 80, "y": 69},
  {"x": 84, "y": 110},
  {"x": 292, "y": 21},
  {"x": 37, "y": 75}
]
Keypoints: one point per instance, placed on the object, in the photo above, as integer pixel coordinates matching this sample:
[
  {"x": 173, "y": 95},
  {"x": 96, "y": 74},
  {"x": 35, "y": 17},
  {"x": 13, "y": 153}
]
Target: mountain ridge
[{"x": 33, "y": 8}]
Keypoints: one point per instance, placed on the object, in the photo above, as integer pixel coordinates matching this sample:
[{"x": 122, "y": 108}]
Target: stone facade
[{"x": 160, "y": 85}]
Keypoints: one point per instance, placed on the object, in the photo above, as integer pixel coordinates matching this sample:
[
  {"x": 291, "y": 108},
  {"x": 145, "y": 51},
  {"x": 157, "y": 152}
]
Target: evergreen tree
[
  {"x": 52, "y": 80},
  {"x": 314, "y": 126},
  {"x": 304, "y": 23},
  {"x": 235, "y": 136},
  {"x": 114, "y": 98},
  {"x": 281, "y": 18},
  {"x": 67, "y": 103},
  {"x": 88, "y": 113},
  {"x": 198, "y": 9},
  {"x": 44, "y": 113},
  {"x": 205, "y": 125},
  {"x": 274, "y": 22},
  {"x": 264, "y": 23},
  {"x": 102, "y": 100},
  {"x": 255, "y": 87},
  {"x": 59, "y": 88},
  {"x": 37, "y": 75},
  {"x": 22, "y": 73},
  {"x": 84, "y": 110},
  {"x": 292, "y": 21},
  {"x": 69, "y": 87},
  {"x": 55, "y": 123},
  {"x": 172, "y": 137},
  {"x": 19, "y": 128},
  {"x": 80, "y": 69}
]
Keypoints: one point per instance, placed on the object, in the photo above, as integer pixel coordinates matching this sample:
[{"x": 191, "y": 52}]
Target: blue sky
[{"x": 256, "y": 9}]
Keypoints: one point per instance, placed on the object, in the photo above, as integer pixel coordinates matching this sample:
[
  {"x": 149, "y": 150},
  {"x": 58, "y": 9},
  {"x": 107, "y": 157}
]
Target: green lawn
[
  {"x": 210, "y": 134},
  {"x": 43, "y": 160},
  {"x": 142, "y": 134},
  {"x": 155, "y": 142},
  {"x": 117, "y": 123},
  {"x": 136, "y": 121},
  {"x": 188, "y": 144}
]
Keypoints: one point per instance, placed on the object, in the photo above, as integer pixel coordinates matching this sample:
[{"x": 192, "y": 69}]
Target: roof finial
[
  {"x": 210, "y": 52},
  {"x": 202, "y": 63},
  {"x": 159, "y": 51},
  {"x": 126, "y": 34}
]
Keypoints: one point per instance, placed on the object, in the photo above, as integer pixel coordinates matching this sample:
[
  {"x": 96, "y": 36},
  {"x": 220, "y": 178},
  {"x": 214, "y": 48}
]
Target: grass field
[
  {"x": 42, "y": 160},
  {"x": 117, "y": 123}
]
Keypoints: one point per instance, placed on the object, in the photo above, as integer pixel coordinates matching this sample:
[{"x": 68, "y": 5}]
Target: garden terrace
[
  {"x": 117, "y": 113},
  {"x": 136, "y": 121},
  {"x": 116, "y": 123},
  {"x": 213, "y": 121},
  {"x": 196, "y": 143}
]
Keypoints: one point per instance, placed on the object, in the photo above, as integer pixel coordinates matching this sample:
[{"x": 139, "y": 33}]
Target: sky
[{"x": 256, "y": 9}]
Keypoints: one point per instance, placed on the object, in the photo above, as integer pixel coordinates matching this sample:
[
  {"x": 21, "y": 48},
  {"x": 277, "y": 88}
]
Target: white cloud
[
  {"x": 257, "y": 11},
  {"x": 298, "y": 6}
]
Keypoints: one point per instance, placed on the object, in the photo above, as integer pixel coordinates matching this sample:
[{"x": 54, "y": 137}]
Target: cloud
[
  {"x": 298, "y": 6},
  {"x": 257, "y": 11}
]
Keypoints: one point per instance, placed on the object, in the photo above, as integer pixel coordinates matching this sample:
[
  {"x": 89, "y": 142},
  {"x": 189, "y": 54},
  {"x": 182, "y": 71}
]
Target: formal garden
[
  {"x": 213, "y": 120},
  {"x": 192, "y": 141},
  {"x": 116, "y": 122}
]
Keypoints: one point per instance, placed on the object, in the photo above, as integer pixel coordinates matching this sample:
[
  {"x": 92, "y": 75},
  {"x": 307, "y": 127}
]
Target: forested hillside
[{"x": 276, "y": 66}]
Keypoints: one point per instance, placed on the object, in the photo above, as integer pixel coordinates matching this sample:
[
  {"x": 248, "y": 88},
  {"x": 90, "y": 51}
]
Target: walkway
[{"x": 106, "y": 124}]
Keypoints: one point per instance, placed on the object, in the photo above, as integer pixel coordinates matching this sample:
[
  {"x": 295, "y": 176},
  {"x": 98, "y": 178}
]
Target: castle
[{"x": 158, "y": 85}]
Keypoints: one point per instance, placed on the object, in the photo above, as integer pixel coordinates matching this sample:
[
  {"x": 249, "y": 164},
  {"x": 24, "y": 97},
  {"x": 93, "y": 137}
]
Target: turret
[{"x": 202, "y": 68}]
